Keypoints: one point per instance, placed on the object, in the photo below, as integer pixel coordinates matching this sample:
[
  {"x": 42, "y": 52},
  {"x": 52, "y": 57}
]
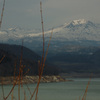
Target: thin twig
[
  {"x": 3, "y": 90},
  {"x": 2, "y": 13},
  {"x": 43, "y": 65},
  {"x": 46, "y": 52},
  {"x": 42, "y": 32},
  {"x": 2, "y": 58},
  {"x": 20, "y": 71},
  {"x": 85, "y": 94},
  {"x": 14, "y": 84},
  {"x": 40, "y": 67},
  {"x": 28, "y": 89}
]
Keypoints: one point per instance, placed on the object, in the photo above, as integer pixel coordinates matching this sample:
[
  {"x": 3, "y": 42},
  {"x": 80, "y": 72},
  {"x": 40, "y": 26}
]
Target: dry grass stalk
[
  {"x": 22, "y": 67},
  {"x": 42, "y": 35},
  {"x": 14, "y": 84},
  {"x": 42, "y": 63},
  {"x": 39, "y": 68},
  {"x": 12, "y": 95},
  {"x": 2, "y": 13},
  {"x": 29, "y": 90},
  {"x": 42, "y": 31},
  {"x": 26, "y": 72},
  {"x": 46, "y": 52},
  {"x": 85, "y": 94},
  {"x": 2, "y": 79},
  {"x": 25, "y": 98},
  {"x": 3, "y": 90},
  {"x": 19, "y": 77},
  {"x": 2, "y": 58},
  {"x": 4, "y": 55},
  {"x": 20, "y": 71}
]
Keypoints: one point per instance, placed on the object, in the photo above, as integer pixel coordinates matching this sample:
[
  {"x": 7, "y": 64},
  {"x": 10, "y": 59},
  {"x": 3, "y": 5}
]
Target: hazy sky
[{"x": 26, "y": 13}]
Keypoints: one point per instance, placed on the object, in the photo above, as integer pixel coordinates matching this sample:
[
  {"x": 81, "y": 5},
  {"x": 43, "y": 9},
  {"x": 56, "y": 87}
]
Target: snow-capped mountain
[
  {"x": 77, "y": 31},
  {"x": 78, "y": 22}
]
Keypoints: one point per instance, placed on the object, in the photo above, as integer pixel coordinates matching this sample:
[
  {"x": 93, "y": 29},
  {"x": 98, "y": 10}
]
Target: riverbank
[{"x": 33, "y": 79}]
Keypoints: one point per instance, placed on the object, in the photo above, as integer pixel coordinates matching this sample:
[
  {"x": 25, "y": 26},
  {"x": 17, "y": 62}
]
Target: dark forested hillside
[
  {"x": 61, "y": 63},
  {"x": 16, "y": 50},
  {"x": 12, "y": 61},
  {"x": 76, "y": 62},
  {"x": 30, "y": 59}
]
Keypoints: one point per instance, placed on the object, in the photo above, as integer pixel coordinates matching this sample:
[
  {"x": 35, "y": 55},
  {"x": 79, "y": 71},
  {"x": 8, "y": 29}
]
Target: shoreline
[{"x": 33, "y": 79}]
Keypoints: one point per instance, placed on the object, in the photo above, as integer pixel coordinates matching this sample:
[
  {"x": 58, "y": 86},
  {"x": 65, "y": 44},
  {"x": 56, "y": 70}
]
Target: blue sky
[{"x": 26, "y": 13}]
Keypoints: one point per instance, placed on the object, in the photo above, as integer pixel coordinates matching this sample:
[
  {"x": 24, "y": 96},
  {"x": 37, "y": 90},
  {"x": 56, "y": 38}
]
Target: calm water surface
[{"x": 62, "y": 91}]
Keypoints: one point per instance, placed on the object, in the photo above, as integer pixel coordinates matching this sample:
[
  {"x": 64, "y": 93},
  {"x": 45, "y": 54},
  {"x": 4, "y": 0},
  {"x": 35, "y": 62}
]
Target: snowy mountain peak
[
  {"x": 15, "y": 29},
  {"x": 78, "y": 22},
  {"x": 75, "y": 23}
]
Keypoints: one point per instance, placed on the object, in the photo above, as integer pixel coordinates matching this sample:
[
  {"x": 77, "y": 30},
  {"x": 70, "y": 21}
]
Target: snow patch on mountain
[
  {"x": 78, "y": 22},
  {"x": 75, "y": 30}
]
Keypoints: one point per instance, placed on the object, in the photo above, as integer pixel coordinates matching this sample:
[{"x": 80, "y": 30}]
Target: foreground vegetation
[{"x": 19, "y": 75}]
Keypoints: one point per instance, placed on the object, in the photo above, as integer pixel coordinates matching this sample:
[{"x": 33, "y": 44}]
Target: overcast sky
[{"x": 26, "y": 13}]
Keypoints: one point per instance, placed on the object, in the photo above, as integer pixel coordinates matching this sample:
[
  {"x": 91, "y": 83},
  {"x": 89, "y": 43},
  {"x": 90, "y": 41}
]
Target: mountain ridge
[
  {"x": 76, "y": 32},
  {"x": 77, "y": 26}
]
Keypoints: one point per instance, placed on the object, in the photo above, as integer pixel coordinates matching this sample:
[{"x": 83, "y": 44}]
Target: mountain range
[
  {"x": 75, "y": 32},
  {"x": 75, "y": 47}
]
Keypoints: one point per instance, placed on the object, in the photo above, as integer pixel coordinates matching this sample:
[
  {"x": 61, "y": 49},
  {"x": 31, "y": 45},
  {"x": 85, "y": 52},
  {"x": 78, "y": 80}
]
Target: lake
[{"x": 72, "y": 90}]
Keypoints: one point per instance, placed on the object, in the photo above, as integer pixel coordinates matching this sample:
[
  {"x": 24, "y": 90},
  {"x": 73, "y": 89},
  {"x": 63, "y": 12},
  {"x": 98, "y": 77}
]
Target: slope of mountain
[
  {"x": 16, "y": 50},
  {"x": 29, "y": 59},
  {"x": 12, "y": 54}
]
